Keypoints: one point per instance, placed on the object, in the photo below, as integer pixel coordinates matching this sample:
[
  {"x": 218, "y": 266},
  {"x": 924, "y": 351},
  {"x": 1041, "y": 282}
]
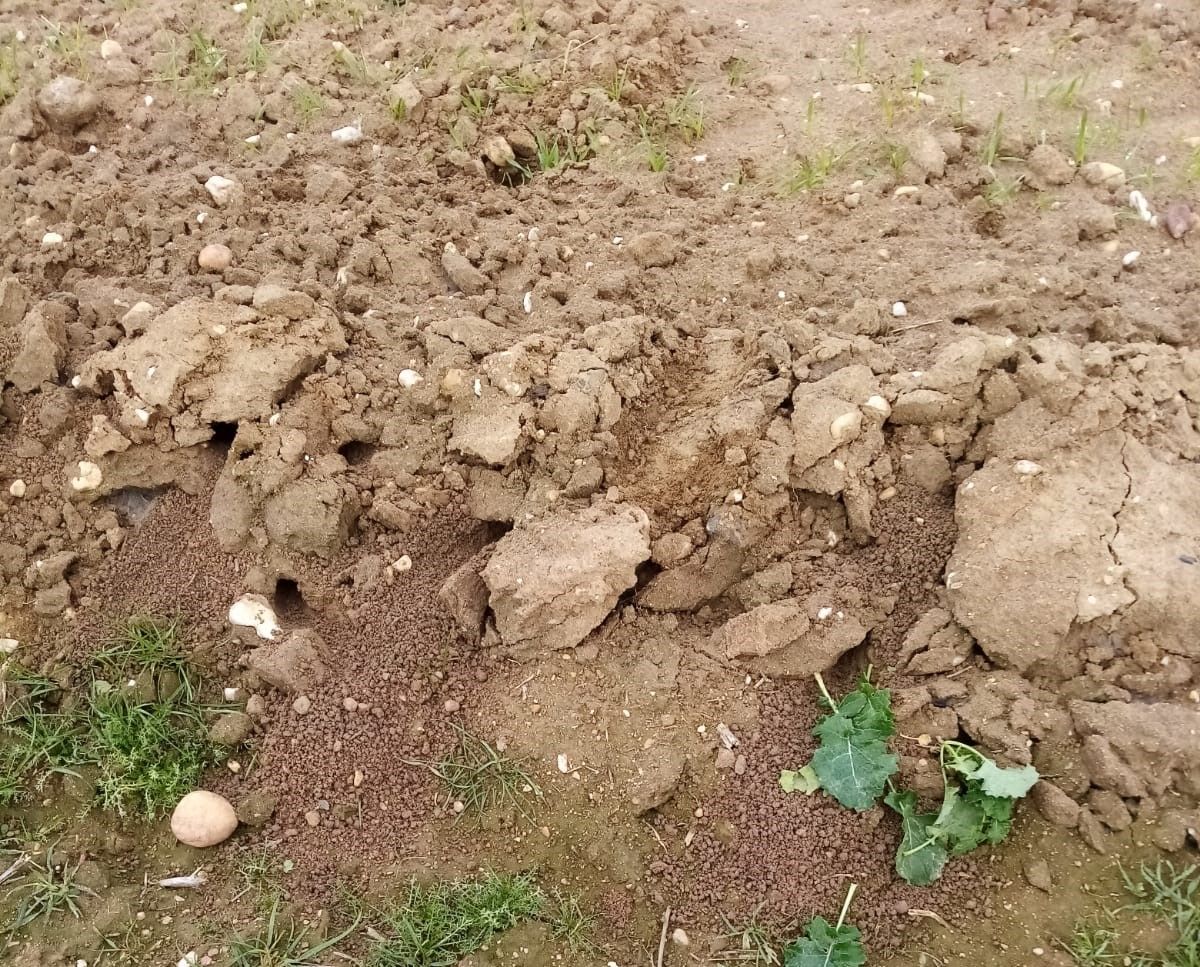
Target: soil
[{"x": 835, "y": 340}]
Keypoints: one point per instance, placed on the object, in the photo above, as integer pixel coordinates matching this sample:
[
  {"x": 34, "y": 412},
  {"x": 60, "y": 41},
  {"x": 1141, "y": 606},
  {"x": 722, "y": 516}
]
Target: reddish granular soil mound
[{"x": 396, "y": 653}]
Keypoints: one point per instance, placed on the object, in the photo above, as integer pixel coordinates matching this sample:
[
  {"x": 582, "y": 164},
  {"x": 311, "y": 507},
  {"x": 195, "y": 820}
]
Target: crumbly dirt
[{"x": 834, "y": 340}]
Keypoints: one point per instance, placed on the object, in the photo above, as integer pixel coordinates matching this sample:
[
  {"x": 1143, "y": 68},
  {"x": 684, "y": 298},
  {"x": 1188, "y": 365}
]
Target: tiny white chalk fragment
[
  {"x": 88, "y": 477},
  {"x": 725, "y": 734},
  {"x": 220, "y": 189},
  {"x": 1129, "y": 258},
  {"x": 410, "y": 377},
  {"x": 231, "y": 694},
  {"x": 51, "y": 240},
  {"x": 188, "y": 881},
  {"x": 899, "y": 310},
  {"x": 1027, "y": 468},
  {"x": 824, "y": 613},
  {"x": 1138, "y": 202},
  {"x": 8, "y": 645},
  {"x": 527, "y": 303},
  {"x": 402, "y": 563},
  {"x": 564, "y": 765}
]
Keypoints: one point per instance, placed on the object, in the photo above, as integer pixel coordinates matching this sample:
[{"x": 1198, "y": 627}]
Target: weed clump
[{"x": 139, "y": 729}]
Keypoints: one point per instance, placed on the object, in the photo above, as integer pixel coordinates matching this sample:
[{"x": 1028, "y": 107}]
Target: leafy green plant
[
  {"x": 1093, "y": 944},
  {"x": 438, "y": 925},
  {"x": 1000, "y": 191},
  {"x": 977, "y": 809},
  {"x": 282, "y": 941},
  {"x": 480, "y": 777},
  {"x": 852, "y": 762},
  {"x": 825, "y": 944},
  {"x": 149, "y": 644},
  {"x": 206, "y": 60},
  {"x": 48, "y": 888}
]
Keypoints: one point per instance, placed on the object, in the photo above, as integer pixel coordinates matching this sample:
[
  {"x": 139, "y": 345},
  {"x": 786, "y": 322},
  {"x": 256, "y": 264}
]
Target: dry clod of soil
[
  {"x": 1180, "y": 219},
  {"x": 466, "y": 278},
  {"x": 1103, "y": 173},
  {"x": 203, "y": 819},
  {"x": 552, "y": 580},
  {"x": 293, "y": 664},
  {"x": 1055, "y": 805},
  {"x": 787, "y": 639},
  {"x": 653, "y": 249},
  {"x": 230, "y": 729},
  {"x": 68, "y": 103},
  {"x": 1049, "y": 167}
]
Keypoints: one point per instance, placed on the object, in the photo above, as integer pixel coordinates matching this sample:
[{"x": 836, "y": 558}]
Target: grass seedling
[
  {"x": 150, "y": 644},
  {"x": 810, "y": 114},
  {"x": 858, "y": 54},
  {"x": 550, "y": 152},
  {"x": 308, "y": 103},
  {"x": 809, "y": 172},
  {"x": 46, "y": 889},
  {"x": 1093, "y": 945},
  {"x": 257, "y": 55},
  {"x": 350, "y": 65},
  {"x": 736, "y": 70},
  {"x": 480, "y": 777},
  {"x": 615, "y": 88},
  {"x": 476, "y": 102},
  {"x": 919, "y": 76},
  {"x": 569, "y": 923},
  {"x": 989, "y": 152},
  {"x": 10, "y": 69},
  {"x": 68, "y": 44},
  {"x": 748, "y": 943},
  {"x": 897, "y": 157},
  {"x": 205, "y": 59},
  {"x": 1000, "y": 191},
  {"x": 283, "y": 942},
  {"x": 439, "y": 925},
  {"x": 1191, "y": 169},
  {"x": 686, "y": 115},
  {"x": 525, "y": 83},
  {"x": 1083, "y": 139},
  {"x": 657, "y": 157}
]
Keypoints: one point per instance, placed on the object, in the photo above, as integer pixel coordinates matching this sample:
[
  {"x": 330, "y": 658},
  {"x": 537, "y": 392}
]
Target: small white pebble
[
  {"x": 618, "y": 239},
  {"x": 899, "y": 310},
  {"x": 254, "y": 139},
  {"x": 51, "y": 240},
  {"x": 1129, "y": 258},
  {"x": 148, "y": 100},
  {"x": 17, "y": 489},
  {"x": 700, "y": 158},
  {"x": 527, "y": 303},
  {"x": 564, "y": 766},
  {"x": 220, "y": 189},
  {"x": 239, "y": 8},
  {"x": 231, "y": 694},
  {"x": 109, "y": 49},
  {"x": 88, "y": 478},
  {"x": 350, "y": 134},
  {"x": 824, "y": 613},
  {"x": 402, "y": 563},
  {"x": 680, "y": 937},
  {"x": 1027, "y": 468},
  {"x": 8, "y": 645},
  {"x": 410, "y": 378}
]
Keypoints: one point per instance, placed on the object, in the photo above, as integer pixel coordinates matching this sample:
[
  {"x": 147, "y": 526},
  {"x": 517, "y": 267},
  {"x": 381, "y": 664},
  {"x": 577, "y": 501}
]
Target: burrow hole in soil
[
  {"x": 222, "y": 438},
  {"x": 289, "y": 600},
  {"x": 356, "y": 452}
]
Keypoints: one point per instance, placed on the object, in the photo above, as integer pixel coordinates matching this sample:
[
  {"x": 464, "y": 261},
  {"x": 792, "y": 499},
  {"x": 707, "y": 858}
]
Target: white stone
[
  {"x": 220, "y": 189},
  {"x": 899, "y": 310},
  {"x": 215, "y": 258},
  {"x": 203, "y": 819},
  {"x": 110, "y": 49},
  {"x": 350, "y": 134},
  {"x": 17, "y": 489},
  {"x": 252, "y": 611},
  {"x": 51, "y": 240},
  {"x": 88, "y": 478},
  {"x": 877, "y": 404},
  {"x": 410, "y": 378},
  {"x": 8, "y": 645}
]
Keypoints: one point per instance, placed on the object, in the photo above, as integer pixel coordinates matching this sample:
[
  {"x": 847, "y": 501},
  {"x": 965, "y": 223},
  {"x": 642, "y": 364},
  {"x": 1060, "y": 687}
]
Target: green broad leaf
[
  {"x": 853, "y": 766},
  {"x": 826, "y": 945},
  {"x": 970, "y": 818},
  {"x": 921, "y": 855},
  {"x": 802, "y": 780},
  {"x": 1011, "y": 783},
  {"x": 870, "y": 709}
]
